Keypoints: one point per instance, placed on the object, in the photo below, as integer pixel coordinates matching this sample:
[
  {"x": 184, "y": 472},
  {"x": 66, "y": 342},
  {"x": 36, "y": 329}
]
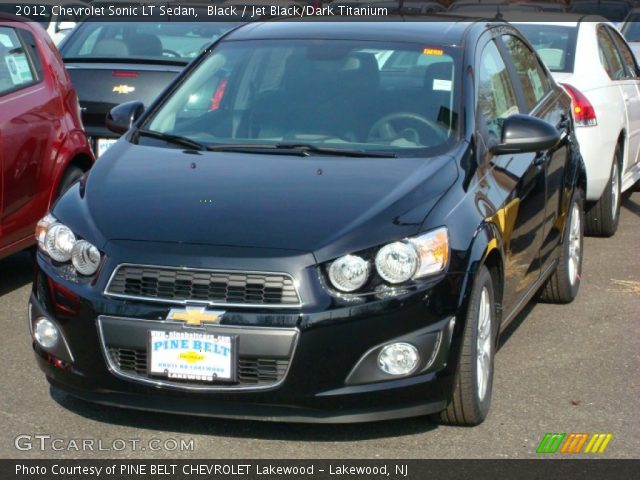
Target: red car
[{"x": 43, "y": 148}]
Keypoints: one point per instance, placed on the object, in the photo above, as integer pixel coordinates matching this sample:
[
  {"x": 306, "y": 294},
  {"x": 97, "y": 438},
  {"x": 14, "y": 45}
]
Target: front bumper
[{"x": 326, "y": 360}]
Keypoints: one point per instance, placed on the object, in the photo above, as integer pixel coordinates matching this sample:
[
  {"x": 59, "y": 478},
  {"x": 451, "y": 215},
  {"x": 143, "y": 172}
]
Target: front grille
[
  {"x": 251, "y": 371},
  {"x": 216, "y": 287}
]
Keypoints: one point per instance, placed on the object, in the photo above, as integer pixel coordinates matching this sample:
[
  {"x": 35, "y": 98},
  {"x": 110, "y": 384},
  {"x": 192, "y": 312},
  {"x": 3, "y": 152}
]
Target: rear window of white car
[{"x": 555, "y": 44}]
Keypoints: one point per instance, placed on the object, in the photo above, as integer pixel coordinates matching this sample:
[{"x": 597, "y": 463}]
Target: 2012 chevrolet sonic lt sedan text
[{"x": 316, "y": 222}]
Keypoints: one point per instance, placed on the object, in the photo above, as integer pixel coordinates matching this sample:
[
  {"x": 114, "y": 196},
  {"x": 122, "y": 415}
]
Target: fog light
[
  {"x": 398, "y": 358},
  {"x": 45, "y": 333}
]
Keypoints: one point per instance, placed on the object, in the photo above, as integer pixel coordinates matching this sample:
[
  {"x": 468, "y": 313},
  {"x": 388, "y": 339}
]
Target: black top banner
[{"x": 319, "y": 10}]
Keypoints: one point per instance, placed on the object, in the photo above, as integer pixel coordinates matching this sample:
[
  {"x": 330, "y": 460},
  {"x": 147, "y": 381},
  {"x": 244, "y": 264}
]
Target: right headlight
[
  {"x": 85, "y": 258},
  {"x": 60, "y": 244}
]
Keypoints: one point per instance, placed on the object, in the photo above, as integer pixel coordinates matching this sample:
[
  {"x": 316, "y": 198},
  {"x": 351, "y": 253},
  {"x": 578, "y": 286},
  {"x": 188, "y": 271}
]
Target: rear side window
[
  {"x": 627, "y": 57},
  {"x": 609, "y": 56},
  {"x": 29, "y": 42},
  {"x": 16, "y": 68},
  {"x": 555, "y": 44},
  {"x": 532, "y": 76}
]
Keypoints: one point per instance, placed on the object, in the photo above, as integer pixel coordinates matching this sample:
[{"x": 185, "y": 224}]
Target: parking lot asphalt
[{"x": 567, "y": 368}]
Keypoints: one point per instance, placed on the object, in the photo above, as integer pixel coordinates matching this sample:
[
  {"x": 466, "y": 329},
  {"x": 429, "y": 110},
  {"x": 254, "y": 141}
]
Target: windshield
[
  {"x": 556, "y": 45},
  {"x": 169, "y": 41},
  {"x": 363, "y": 96},
  {"x": 612, "y": 11}
]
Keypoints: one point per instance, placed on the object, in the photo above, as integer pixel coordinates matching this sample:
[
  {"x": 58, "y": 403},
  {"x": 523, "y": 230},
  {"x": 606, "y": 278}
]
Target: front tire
[
  {"x": 471, "y": 399},
  {"x": 564, "y": 283},
  {"x": 603, "y": 217},
  {"x": 71, "y": 176}
]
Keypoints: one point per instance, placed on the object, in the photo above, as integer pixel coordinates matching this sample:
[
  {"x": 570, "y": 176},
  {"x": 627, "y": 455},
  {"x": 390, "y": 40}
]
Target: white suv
[{"x": 595, "y": 64}]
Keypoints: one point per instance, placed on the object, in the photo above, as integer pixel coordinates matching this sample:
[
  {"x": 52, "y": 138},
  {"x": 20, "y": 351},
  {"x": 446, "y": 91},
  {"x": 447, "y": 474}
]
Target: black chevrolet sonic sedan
[{"x": 326, "y": 222}]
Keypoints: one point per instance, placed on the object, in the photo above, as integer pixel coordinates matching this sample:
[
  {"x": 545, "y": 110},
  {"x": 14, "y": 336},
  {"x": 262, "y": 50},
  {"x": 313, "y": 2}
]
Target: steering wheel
[
  {"x": 384, "y": 128},
  {"x": 170, "y": 53}
]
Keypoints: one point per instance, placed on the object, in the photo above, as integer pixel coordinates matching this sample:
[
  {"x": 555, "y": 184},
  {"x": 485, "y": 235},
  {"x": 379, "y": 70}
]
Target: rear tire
[
  {"x": 564, "y": 283},
  {"x": 602, "y": 218},
  {"x": 471, "y": 399},
  {"x": 71, "y": 176}
]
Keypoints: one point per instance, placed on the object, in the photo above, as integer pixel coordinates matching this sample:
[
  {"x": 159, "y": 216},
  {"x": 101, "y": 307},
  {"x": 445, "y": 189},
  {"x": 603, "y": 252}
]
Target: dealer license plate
[
  {"x": 192, "y": 356},
  {"x": 104, "y": 144}
]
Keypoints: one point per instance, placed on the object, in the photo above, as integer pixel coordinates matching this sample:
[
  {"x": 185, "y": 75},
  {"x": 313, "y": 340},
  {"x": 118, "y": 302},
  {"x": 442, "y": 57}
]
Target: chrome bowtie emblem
[{"x": 195, "y": 315}]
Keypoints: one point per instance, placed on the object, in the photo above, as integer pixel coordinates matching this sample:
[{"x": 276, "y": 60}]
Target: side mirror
[
  {"x": 62, "y": 26},
  {"x": 121, "y": 118},
  {"x": 524, "y": 133}
]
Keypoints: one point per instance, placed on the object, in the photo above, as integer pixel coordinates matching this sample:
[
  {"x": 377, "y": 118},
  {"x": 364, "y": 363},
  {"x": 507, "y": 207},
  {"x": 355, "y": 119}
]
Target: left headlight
[
  {"x": 416, "y": 257},
  {"x": 62, "y": 245},
  {"x": 349, "y": 273},
  {"x": 395, "y": 263}
]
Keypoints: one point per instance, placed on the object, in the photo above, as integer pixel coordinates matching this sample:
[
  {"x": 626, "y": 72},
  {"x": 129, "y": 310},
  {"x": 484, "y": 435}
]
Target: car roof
[
  {"x": 564, "y": 19},
  {"x": 446, "y": 29},
  {"x": 8, "y": 17},
  {"x": 601, "y": 2}
]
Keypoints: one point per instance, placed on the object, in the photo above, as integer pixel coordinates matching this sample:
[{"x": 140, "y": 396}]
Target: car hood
[{"x": 325, "y": 205}]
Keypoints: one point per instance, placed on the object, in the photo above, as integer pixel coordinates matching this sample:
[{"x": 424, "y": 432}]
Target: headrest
[
  {"x": 145, "y": 44},
  {"x": 361, "y": 70},
  {"x": 110, "y": 48}
]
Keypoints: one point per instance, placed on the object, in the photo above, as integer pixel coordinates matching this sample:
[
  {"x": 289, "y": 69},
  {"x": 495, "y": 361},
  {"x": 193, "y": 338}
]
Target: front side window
[
  {"x": 532, "y": 76},
  {"x": 609, "y": 56},
  {"x": 16, "y": 70},
  {"x": 331, "y": 93},
  {"x": 496, "y": 96}
]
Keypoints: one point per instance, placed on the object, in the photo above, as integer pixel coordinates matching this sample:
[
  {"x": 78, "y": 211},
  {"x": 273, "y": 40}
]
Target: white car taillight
[{"x": 584, "y": 114}]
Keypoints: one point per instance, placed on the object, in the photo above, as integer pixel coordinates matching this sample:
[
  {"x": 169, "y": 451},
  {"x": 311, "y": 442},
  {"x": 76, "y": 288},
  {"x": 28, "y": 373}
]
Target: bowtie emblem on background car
[
  {"x": 195, "y": 315},
  {"x": 124, "y": 89}
]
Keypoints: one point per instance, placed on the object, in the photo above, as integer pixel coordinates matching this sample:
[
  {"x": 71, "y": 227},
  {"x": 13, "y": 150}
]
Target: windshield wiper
[
  {"x": 175, "y": 139},
  {"x": 306, "y": 148},
  {"x": 303, "y": 149}
]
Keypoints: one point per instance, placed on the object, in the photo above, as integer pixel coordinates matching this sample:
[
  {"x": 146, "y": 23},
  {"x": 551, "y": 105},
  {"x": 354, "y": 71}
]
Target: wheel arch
[
  {"x": 621, "y": 142},
  {"x": 80, "y": 159},
  {"x": 487, "y": 250}
]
